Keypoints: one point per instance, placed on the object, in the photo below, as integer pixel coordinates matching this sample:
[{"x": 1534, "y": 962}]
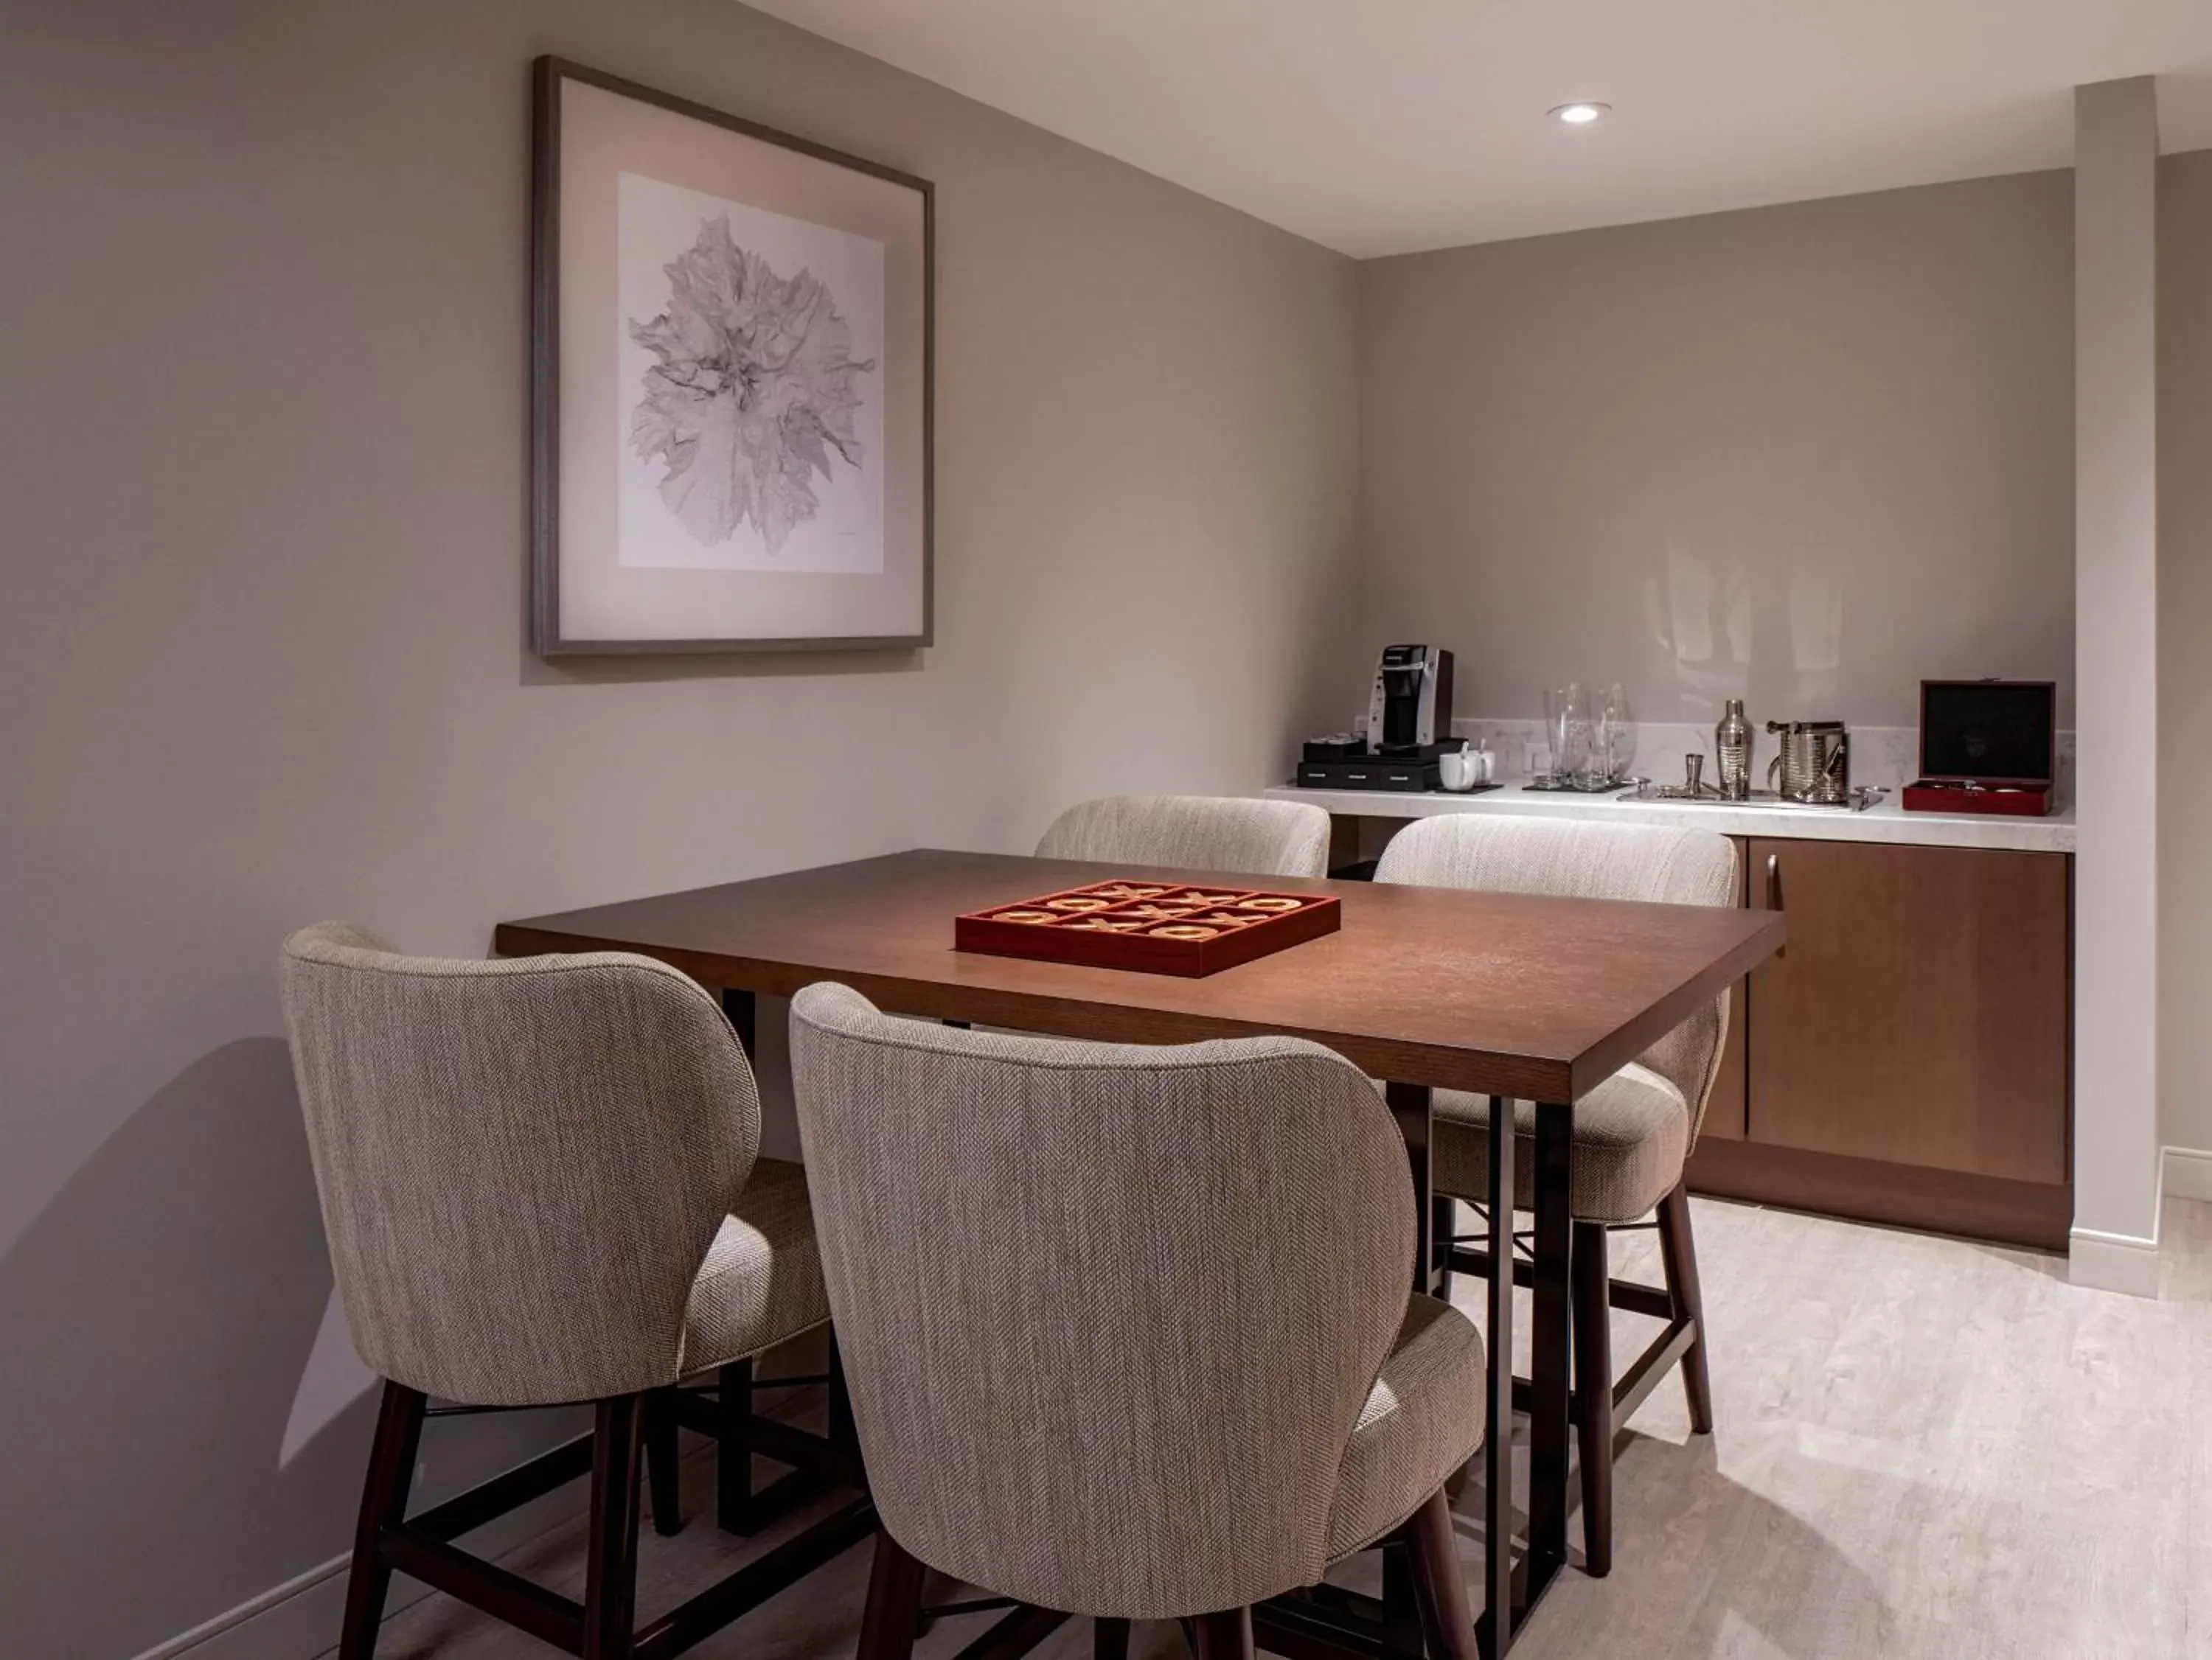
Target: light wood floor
[{"x": 1925, "y": 1447}]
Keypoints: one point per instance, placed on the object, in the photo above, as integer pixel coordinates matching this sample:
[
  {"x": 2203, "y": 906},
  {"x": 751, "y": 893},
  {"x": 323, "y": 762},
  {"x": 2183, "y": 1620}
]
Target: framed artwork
[{"x": 731, "y": 367}]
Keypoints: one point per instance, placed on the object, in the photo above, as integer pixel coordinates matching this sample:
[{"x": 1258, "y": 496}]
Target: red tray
[
  {"x": 1238, "y": 924},
  {"x": 2027, "y": 800}
]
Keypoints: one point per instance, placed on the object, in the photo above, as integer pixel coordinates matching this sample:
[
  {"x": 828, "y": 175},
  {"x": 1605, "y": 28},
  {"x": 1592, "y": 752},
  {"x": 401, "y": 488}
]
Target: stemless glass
[
  {"x": 1620, "y": 721},
  {"x": 1567, "y": 726},
  {"x": 1595, "y": 771}
]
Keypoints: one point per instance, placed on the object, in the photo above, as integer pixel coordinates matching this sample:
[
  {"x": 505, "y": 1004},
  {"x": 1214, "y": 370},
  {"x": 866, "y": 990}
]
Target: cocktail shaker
[{"x": 1732, "y": 745}]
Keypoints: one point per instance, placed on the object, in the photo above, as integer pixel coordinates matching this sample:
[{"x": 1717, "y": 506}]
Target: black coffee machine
[
  {"x": 1411, "y": 711},
  {"x": 1409, "y": 717}
]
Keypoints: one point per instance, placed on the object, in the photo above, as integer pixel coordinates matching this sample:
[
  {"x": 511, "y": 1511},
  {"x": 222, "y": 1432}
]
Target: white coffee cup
[{"x": 1459, "y": 769}]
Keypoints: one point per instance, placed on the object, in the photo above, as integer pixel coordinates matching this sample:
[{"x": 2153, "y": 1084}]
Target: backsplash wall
[{"x": 1806, "y": 455}]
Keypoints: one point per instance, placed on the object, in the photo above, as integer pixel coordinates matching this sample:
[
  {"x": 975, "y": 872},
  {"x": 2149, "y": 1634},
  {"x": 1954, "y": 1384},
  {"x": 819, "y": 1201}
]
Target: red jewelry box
[
  {"x": 1151, "y": 926},
  {"x": 1986, "y": 746}
]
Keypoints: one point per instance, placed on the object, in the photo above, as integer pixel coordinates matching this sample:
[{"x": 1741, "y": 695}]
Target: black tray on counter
[{"x": 1411, "y": 776}]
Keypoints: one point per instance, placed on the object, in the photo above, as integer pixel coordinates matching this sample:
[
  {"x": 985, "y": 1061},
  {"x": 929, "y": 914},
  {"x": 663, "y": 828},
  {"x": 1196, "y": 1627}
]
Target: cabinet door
[{"x": 1919, "y": 1014}]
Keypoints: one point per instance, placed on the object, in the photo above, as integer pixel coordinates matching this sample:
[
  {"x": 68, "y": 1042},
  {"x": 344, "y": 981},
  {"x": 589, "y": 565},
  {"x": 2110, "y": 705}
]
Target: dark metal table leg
[
  {"x": 1410, "y": 1104},
  {"x": 1495, "y": 1625},
  {"x": 738, "y": 1006},
  {"x": 1550, "y": 1431}
]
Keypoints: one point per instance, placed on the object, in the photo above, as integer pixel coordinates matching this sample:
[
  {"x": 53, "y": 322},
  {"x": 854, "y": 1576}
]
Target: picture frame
[{"x": 731, "y": 382}]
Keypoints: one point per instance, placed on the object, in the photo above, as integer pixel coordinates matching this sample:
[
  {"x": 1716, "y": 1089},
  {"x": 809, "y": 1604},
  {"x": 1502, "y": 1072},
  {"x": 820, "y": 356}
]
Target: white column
[{"x": 2116, "y": 1146}]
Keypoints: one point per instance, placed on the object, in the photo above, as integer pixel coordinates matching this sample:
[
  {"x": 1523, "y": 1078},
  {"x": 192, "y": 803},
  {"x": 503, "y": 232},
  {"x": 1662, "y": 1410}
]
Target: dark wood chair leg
[
  {"x": 660, "y": 1462},
  {"x": 894, "y": 1582},
  {"x": 1678, "y": 1254},
  {"x": 1226, "y": 1635},
  {"x": 1447, "y": 1621},
  {"x": 610, "y": 1575},
  {"x": 1591, "y": 1290},
  {"x": 1109, "y": 1639},
  {"x": 1403, "y": 1625},
  {"x": 383, "y": 1504},
  {"x": 733, "y": 1448}
]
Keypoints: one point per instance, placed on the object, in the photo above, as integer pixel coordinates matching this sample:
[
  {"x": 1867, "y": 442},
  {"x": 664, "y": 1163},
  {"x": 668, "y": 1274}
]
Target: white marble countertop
[{"x": 1886, "y": 821}]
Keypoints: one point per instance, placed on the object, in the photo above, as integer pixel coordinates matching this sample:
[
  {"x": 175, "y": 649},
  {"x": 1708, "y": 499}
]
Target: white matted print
[
  {"x": 750, "y": 353},
  {"x": 730, "y": 383}
]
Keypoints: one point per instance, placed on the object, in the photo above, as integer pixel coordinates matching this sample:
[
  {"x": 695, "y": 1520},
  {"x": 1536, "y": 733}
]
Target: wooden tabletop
[{"x": 1534, "y": 998}]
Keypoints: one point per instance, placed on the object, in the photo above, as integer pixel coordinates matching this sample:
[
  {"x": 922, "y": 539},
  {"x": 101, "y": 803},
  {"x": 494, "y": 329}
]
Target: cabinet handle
[{"x": 1774, "y": 894}]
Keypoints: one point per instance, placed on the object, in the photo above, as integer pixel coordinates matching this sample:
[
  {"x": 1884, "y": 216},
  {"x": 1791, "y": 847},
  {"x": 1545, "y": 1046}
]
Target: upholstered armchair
[
  {"x": 1127, "y": 1329},
  {"x": 1632, "y": 1134},
  {"x": 539, "y": 1183},
  {"x": 1231, "y": 835}
]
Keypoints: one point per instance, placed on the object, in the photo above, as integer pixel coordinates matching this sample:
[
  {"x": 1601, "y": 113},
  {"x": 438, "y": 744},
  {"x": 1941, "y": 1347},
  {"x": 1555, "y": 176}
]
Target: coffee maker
[
  {"x": 1411, "y": 710},
  {"x": 1408, "y": 724}
]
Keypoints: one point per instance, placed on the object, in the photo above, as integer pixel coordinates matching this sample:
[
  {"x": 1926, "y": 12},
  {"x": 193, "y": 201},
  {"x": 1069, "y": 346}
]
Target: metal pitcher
[{"x": 1814, "y": 762}]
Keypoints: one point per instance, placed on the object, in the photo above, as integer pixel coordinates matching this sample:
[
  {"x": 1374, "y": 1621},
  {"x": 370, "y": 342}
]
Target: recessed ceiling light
[{"x": 1579, "y": 115}]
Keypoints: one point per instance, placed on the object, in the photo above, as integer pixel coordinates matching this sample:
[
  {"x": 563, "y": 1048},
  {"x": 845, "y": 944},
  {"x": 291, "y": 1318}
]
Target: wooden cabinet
[
  {"x": 1906, "y": 1058},
  {"x": 1919, "y": 1013}
]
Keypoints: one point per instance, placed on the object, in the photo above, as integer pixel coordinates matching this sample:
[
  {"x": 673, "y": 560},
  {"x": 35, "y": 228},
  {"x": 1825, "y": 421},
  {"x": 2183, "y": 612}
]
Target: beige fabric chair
[
  {"x": 1635, "y": 1131},
  {"x": 1230, "y": 835},
  {"x": 539, "y": 1185},
  {"x": 1127, "y": 1329}
]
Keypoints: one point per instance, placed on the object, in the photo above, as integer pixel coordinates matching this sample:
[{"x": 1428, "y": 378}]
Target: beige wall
[
  {"x": 2184, "y": 666},
  {"x": 1804, "y": 455},
  {"x": 262, "y": 657}
]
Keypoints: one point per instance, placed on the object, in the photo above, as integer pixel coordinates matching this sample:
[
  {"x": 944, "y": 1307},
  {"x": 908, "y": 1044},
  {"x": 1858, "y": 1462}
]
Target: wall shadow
[
  {"x": 157, "y": 1316},
  {"x": 731, "y": 665},
  {"x": 536, "y": 670}
]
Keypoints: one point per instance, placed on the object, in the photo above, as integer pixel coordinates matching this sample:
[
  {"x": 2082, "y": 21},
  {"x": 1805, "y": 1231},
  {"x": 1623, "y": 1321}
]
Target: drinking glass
[
  {"x": 1595, "y": 771},
  {"x": 1567, "y": 727},
  {"x": 1610, "y": 709}
]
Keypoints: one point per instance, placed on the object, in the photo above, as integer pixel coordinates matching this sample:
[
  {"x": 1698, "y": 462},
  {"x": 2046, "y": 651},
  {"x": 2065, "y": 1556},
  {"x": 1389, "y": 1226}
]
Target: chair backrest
[
  {"x": 1587, "y": 861},
  {"x": 1229, "y": 834},
  {"x": 1109, "y": 1313},
  {"x": 521, "y": 1164}
]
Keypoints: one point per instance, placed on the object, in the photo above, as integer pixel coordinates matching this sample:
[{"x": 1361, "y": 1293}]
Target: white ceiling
[{"x": 1383, "y": 126}]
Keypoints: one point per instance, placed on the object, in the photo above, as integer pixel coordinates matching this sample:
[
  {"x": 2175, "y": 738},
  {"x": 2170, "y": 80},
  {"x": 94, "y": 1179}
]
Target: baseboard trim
[
  {"x": 2122, "y": 1262},
  {"x": 300, "y": 1618},
  {"x": 199, "y": 1640},
  {"x": 2187, "y": 1173},
  {"x": 2113, "y": 1261}
]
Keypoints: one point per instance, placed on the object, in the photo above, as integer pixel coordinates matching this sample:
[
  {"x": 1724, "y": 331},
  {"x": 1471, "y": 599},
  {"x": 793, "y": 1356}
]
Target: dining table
[{"x": 1515, "y": 996}]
